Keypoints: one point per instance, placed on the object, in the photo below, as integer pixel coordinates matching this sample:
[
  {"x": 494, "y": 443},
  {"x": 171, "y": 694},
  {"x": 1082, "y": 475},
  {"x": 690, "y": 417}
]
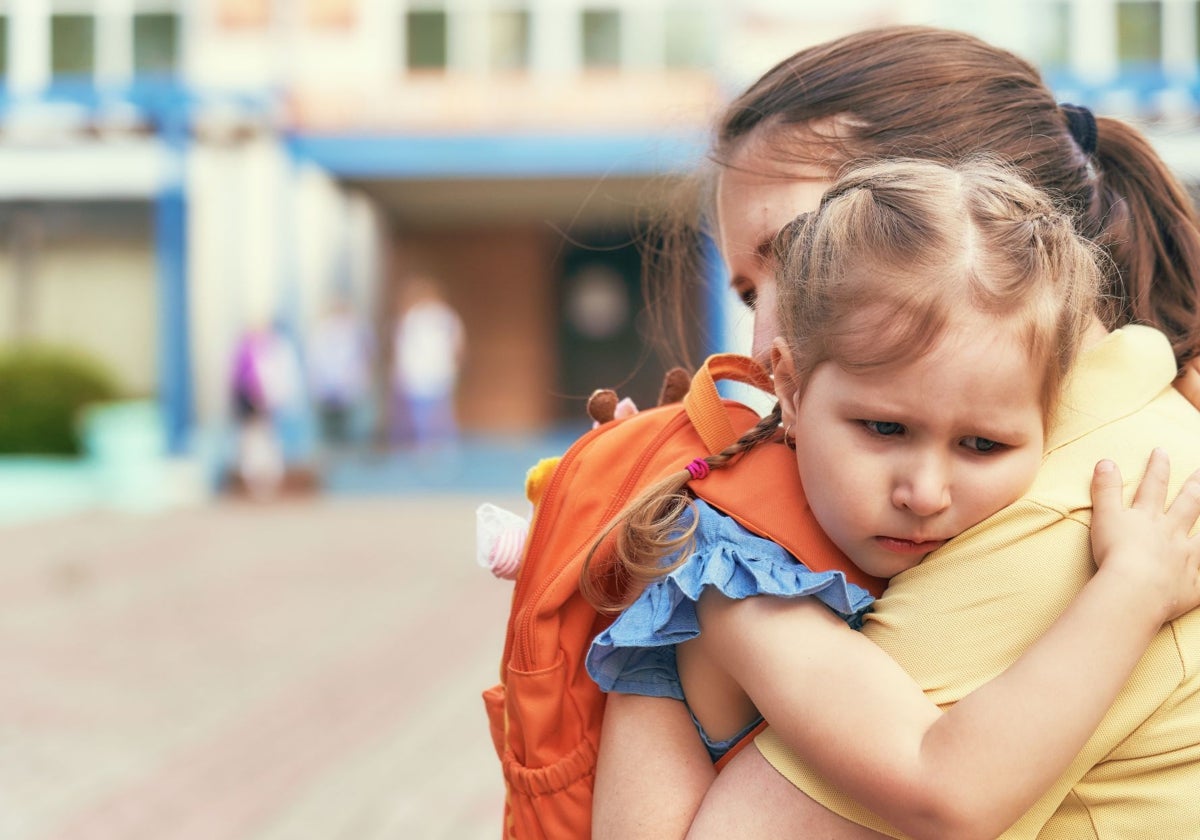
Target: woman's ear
[{"x": 786, "y": 387}]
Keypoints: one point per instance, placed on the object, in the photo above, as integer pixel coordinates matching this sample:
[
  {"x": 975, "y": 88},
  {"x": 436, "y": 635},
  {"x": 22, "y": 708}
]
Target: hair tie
[
  {"x": 697, "y": 469},
  {"x": 1081, "y": 122}
]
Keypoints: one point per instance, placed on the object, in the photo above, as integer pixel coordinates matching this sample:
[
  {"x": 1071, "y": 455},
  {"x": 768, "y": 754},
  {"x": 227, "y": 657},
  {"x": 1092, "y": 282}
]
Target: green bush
[{"x": 42, "y": 390}]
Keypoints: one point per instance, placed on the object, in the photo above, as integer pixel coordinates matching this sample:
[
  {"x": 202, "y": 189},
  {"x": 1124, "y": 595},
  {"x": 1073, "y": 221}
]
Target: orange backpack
[{"x": 546, "y": 712}]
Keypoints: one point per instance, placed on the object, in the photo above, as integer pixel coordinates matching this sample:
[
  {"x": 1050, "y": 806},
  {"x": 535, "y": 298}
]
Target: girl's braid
[
  {"x": 648, "y": 529},
  {"x": 766, "y": 429}
]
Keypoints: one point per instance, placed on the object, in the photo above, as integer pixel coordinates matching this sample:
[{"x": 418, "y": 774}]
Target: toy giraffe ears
[
  {"x": 603, "y": 405},
  {"x": 675, "y": 386}
]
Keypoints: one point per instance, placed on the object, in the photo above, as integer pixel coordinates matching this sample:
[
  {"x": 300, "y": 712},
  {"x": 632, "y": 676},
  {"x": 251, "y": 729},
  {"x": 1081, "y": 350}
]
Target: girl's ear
[{"x": 786, "y": 387}]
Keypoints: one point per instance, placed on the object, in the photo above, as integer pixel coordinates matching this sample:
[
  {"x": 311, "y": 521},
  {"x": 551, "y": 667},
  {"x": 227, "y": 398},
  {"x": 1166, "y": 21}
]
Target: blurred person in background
[
  {"x": 428, "y": 348},
  {"x": 266, "y": 384},
  {"x": 340, "y": 356}
]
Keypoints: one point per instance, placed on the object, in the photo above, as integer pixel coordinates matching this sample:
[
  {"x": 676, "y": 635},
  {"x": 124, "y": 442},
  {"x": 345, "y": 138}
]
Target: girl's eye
[
  {"x": 981, "y": 444},
  {"x": 883, "y": 428},
  {"x": 749, "y": 296}
]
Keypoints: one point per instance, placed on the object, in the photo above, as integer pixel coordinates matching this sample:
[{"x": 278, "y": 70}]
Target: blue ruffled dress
[{"x": 636, "y": 654}]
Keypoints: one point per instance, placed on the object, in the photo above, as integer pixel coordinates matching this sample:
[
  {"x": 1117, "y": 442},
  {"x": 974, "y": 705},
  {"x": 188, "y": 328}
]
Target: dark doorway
[{"x": 601, "y": 318}]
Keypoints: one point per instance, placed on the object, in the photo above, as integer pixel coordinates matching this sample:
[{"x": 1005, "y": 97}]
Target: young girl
[{"x": 929, "y": 316}]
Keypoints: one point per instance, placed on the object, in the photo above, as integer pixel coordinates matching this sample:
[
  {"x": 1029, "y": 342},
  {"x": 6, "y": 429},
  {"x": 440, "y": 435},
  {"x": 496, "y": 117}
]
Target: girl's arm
[
  {"x": 653, "y": 770},
  {"x": 856, "y": 716}
]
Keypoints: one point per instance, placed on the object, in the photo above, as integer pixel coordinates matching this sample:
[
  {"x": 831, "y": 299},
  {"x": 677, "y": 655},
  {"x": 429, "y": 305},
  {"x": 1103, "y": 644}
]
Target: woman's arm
[
  {"x": 653, "y": 769},
  {"x": 750, "y": 800},
  {"x": 851, "y": 711}
]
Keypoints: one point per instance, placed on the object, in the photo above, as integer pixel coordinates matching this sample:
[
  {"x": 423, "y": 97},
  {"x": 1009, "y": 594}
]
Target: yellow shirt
[{"x": 970, "y": 609}]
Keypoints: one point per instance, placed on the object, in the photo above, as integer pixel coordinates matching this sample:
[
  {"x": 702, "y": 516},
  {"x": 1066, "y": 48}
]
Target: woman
[{"x": 935, "y": 94}]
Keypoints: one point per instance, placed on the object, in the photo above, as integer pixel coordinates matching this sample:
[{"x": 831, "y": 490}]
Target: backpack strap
[{"x": 703, "y": 404}]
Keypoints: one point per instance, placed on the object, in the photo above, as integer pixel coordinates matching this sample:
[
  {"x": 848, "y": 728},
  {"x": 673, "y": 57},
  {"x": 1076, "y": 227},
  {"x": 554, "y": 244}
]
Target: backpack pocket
[
  {"x": 548, "y": 803},
  {"x": 550, "y": 756},
  {"x": 493, "y": 702}
]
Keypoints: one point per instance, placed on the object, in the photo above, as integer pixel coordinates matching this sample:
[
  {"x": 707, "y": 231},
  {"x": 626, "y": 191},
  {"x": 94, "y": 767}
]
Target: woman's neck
[{"x": 1094, "y": 334}]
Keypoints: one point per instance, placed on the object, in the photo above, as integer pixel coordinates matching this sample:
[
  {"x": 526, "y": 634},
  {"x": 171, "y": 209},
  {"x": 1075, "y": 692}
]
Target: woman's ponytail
[{"x": 1148, "y": 223}]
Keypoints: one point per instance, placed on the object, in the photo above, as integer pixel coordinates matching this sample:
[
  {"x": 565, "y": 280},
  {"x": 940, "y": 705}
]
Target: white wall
[
  {"x": 100, "y": 296},
  {"x": 89, "y": 282}
]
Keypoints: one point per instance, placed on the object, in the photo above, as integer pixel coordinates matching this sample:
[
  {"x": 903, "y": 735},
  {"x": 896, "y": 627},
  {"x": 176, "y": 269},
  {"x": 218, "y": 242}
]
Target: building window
[
  {"x": 425, "y": 40},
  {"x": 509, "y": 40},
  {"x": 331, "y": 14},
  {"x": 1139, "y": 34},
  {"x": 1197, "y": 19},
  {"x": 1051, "y": 46},
  {"x": 243, "y": 14},
  {"x": 72, "y": 45},
  {"x": 155, "y": 43},
  {"x": 601, "y": 38},
  {"x": 690, "y": 41}
]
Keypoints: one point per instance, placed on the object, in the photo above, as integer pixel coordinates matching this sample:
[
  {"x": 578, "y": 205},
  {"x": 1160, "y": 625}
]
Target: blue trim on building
[
  {"x": 500, "y": 156},
  {"x": 174, "y": 333},
  {"x": 174, "y": 354}
]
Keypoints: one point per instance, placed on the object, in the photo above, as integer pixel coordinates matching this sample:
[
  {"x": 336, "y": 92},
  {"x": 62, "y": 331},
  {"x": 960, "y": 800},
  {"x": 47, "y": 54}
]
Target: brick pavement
[{"x": 300, "y": 670}]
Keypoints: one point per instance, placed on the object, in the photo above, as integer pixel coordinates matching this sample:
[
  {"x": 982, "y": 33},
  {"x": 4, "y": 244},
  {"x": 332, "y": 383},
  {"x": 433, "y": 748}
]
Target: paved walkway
[
  {"x": 476, "y": 464},
  {"x": 297, "y": 670}
]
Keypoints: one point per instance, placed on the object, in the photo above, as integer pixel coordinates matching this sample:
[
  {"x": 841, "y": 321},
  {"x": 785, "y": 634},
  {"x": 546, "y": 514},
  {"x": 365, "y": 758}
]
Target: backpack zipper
[{"x": 521, "y": 650}]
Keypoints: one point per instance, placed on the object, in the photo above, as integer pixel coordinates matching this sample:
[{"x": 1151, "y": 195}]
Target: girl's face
[
  {"x": 753, "y": 204},
  {"x": 897, "y": 461}
]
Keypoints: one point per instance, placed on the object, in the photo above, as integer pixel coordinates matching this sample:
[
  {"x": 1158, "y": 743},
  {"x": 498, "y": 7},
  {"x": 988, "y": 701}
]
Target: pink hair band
[{"x": 697, "y": 469}]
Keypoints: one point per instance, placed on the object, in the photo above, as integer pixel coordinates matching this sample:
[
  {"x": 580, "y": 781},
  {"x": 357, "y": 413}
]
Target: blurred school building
[{"x": 173, "y": 173}]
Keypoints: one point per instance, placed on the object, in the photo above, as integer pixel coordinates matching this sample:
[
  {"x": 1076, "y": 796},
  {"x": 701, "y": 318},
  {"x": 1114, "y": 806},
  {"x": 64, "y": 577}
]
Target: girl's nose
[{"x": 924, "y": 489}]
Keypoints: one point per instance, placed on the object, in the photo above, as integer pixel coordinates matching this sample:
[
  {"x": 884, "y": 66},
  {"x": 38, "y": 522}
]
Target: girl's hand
[{"x": 1149, "y": 546}]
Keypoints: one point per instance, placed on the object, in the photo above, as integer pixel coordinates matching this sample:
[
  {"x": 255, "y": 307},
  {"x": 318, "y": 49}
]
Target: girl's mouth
[{"x": 902, "y": 546}]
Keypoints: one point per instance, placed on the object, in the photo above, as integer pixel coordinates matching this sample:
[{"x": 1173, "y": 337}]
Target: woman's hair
[
  {"x": 895, "y": 255},
  {"x": 941, "y": 95}
]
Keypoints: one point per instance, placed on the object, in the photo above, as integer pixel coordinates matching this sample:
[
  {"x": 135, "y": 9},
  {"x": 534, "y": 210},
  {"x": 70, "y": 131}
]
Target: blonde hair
[
  {"x": 897, "y": 249},
  {"x": 875, "y": 276}
]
